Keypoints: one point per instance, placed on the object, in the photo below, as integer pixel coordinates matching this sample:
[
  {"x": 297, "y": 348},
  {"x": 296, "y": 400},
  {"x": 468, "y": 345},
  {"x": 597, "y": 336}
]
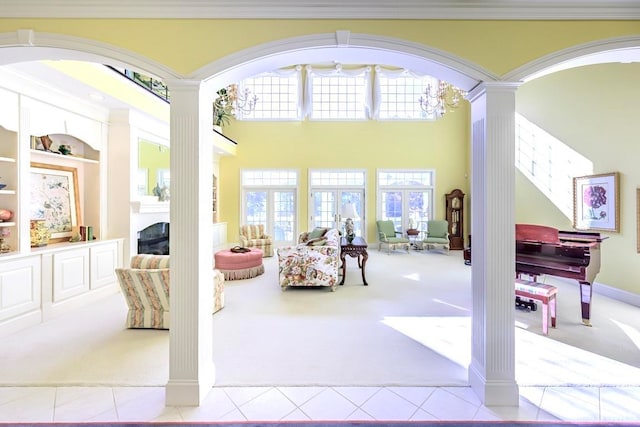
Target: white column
[
  {"x": 191, "y": 369},
  {"x": 492, "y": 369}
]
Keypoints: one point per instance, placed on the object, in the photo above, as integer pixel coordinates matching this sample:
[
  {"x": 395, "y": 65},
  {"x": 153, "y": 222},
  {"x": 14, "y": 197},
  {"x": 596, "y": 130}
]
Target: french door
[
  {"x": 329, "y": 205},
  {"x": 406, "y": 208},
  {"x": 276, "y": 209}
]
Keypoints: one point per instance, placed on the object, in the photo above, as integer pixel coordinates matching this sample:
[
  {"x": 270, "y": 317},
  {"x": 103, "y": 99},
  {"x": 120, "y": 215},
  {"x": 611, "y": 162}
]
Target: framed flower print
[{"x": 596, "y": 200}]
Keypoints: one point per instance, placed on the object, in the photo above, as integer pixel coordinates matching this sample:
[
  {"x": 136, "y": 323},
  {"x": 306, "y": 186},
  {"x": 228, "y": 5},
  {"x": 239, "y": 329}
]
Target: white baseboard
[{"x": 617, "y": 294}]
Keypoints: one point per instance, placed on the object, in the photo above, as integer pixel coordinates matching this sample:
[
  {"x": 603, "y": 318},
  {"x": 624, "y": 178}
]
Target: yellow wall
[
  {"x": 187, "y": 45},
  {"x": 152, "y": 156},
  {"x": 441, "y": 145},
  {"x": 593, "y": 109}
]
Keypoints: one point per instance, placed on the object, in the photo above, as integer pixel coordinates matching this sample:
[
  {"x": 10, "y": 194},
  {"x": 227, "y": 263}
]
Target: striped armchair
[
  {"x": 145, "y": 286},
  {"x": 252, "y": 236}
]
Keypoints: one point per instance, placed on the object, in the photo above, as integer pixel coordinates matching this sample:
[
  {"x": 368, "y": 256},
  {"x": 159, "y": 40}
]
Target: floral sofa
[
  {"x": 145, "y": 286},
  {"x": 313, "y": 261}
]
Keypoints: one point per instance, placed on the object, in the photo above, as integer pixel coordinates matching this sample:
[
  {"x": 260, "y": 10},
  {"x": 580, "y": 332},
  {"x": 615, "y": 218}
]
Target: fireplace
[{"x": 154, "y": 239}]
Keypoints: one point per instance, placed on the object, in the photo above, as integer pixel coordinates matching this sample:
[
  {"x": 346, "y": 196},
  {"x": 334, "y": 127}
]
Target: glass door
[
  {"x": 329, "y": 204},
  {"x": 407, "y": 209},
  {"x": 274, "y": 208}
]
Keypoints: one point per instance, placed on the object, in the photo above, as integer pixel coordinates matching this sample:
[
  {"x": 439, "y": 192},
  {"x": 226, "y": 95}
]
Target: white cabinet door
[
  {"x": 104, "y": 260},
  {"x": 70, "y": 273},
  {"x": 19, "y": 287}
]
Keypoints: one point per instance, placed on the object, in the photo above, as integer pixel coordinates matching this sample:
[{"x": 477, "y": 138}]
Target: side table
[{"x": 357, "y": 248}]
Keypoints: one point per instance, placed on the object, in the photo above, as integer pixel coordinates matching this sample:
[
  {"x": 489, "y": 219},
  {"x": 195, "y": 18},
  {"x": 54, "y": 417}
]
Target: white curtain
[{"x": 394, "y": 74}]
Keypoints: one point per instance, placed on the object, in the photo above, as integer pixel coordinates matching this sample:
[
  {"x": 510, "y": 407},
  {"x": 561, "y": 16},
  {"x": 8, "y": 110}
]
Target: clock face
[{"x": 455, "y": 203}]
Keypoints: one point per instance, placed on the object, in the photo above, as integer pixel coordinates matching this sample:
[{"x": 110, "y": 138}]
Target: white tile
[
  {"x": 465, "y": 393},
  {"x": 241, "y": 395},
  {"x": 77, "y": 404},
  {"x": 234, "y": 415},
  {"x": 14, "y": 402},
  {"x": 357, "y": 395},
  {"x": 296, "y": 415},
  {"x": 271, "y": 405},
  {"x": 386, "y": 405},
  {"x": 300, "y": 395},
  {"x": 619, "y": 403},
  {"x": 328, "y": 405},
  {"x": 447, "y": 406},
  {"x": 415, "y": 395},
  {"x": 572, "y": 403},
  {"x": 360, "y": 415},
  {"x": 532, "y": 394},
  {"x": 215, "y": 406},
  {"x": 422, "y": 415},
  {"x": 143, "y": 404}
]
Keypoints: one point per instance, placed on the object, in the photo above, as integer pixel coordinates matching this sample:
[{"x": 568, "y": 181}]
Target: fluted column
[
  {"x": 492, "y": 370},
  {"x": 191, "y": 369}
]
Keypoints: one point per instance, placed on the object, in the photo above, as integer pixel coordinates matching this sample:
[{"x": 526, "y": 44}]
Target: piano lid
[{"x": 537, "y": 233}]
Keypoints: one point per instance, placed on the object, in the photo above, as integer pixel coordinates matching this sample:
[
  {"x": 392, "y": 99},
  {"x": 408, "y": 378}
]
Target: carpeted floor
[{"x": 410, "y": 326}]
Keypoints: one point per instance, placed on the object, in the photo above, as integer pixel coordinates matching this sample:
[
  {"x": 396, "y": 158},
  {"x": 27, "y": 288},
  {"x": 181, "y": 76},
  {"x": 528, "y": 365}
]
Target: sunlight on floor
[
  {"x": 540, "y": 361},
  {"x": 631, "y": 332}
]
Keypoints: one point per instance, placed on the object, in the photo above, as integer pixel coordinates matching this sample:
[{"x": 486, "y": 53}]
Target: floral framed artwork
[
  {"x": 596, "y": 202},
  {"x": 55, "y": 198}
]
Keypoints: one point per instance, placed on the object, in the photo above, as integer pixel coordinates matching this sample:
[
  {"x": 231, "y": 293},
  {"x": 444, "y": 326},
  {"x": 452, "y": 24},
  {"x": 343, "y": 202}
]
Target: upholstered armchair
[
  {"x": 387, "y": 235},
  {"x": 145, "y": 286},
  {"x": 437, "y": 234},
  {"x": 252, "y": 236}
]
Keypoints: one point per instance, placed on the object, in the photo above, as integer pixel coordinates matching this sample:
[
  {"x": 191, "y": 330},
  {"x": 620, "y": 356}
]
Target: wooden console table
[{"x": 357, "y": 248}]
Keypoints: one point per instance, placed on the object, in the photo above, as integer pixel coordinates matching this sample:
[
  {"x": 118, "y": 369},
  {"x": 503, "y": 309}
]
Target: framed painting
[
  {"x": 55, "y": 198},
  {"x": 596, "y": 202}
]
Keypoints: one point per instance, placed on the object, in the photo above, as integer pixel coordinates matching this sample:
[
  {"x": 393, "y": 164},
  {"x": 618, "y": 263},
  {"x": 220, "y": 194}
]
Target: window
[
  {"x": 331, "y": 191},
  {"x": 269, "y": 197},
  {"x": 338, "y": 94},
  {"x": 278, "y": 96},
  {"x": 549, "y": 164},
  {"x": 397, "y": 95},
  {"x": 406, "y": 195}
]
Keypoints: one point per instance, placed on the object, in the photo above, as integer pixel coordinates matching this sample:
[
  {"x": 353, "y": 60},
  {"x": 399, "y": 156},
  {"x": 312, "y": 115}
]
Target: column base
[
  {"x": 186, "y": 393},
  {"x": 494, "y": 393}
]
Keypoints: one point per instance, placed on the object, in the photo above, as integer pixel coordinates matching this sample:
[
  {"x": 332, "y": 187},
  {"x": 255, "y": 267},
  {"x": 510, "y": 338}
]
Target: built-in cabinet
[
  {"x": 37, "y": 283},
  {"x": 454, "y": 208}
]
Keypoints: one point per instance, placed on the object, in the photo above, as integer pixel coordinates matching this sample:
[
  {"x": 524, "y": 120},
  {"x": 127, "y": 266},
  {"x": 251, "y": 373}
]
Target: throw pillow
[
  {"x": 318, "y": 241},
  {"x": 317, "y": 232}
]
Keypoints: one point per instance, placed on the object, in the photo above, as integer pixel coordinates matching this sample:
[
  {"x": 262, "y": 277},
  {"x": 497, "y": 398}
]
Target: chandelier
[
  {"x": 438, "y": 99},
  {"x": 243, "y": 101},
  {"x": 230, "y": 101}
]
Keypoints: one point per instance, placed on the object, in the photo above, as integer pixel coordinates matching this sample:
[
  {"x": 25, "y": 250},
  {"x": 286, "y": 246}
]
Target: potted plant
[{"x": 223, "y": 108}]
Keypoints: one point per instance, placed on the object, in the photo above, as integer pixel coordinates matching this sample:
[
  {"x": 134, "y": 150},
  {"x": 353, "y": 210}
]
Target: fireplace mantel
[{"x": 149, "y": 205}]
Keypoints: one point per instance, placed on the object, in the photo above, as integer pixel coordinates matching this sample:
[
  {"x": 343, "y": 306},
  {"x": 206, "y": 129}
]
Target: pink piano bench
[
  {"x": 544, "y": 293},
  {"x": 237, "y": 266}
]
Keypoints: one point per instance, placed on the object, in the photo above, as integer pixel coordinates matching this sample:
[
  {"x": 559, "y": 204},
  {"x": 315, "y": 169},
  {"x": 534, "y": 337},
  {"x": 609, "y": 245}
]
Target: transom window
[
  {"x": 399, "y": 93},
  {"x": 278, "y": 96}
]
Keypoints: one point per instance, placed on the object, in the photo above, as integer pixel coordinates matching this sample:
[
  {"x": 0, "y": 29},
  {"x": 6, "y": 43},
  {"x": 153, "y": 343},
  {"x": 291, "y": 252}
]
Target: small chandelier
[
  {"x": 244, "y": 101},
  {"x": 438, "y": 99}
]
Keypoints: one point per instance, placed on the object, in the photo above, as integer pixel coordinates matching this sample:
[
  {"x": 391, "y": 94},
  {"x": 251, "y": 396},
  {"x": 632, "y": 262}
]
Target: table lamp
[{"x": 349, "y": 212}]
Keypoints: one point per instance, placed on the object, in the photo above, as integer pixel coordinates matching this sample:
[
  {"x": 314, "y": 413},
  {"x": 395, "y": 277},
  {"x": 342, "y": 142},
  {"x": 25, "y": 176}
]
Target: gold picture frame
[
  {"x": 55, "y": 198},
  {"x": 596, "y": 202}
]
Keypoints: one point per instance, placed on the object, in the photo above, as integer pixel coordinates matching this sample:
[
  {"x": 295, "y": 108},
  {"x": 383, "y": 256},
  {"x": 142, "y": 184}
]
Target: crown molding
[{"x": 326, "y": 9}]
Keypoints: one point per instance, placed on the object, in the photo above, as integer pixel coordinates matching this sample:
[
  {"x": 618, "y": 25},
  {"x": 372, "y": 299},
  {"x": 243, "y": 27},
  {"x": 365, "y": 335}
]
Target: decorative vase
[
  {"x": 5, "y": 215},
  {"x": 39, "y": 233}
]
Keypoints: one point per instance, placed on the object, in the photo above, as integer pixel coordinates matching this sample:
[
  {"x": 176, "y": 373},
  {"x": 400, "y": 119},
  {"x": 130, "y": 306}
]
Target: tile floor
[{"x": 131, "y": 404}]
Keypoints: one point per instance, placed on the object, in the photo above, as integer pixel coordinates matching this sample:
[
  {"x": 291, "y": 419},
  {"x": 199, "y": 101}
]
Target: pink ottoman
[{"x": 237, "y": 266}]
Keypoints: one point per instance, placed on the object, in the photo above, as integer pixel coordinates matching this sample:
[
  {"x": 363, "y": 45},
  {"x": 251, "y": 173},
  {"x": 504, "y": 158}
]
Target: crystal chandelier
[
  {"x": 243, "y": 101},
  {"x": 438, "y": 99}
]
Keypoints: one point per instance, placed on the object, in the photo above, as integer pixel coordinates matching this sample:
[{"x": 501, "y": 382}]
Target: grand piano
[{"x": 570, "y": 254}]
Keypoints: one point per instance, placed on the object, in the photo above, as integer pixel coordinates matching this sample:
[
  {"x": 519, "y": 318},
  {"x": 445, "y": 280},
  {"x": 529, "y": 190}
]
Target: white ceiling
[{"x": 325, "y": 9}]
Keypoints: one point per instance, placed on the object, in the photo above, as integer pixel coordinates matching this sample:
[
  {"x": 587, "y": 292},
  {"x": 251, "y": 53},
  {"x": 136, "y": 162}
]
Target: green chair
[
  {"x": 437, "y": 234},
  {"x": 387, "y": 235}
]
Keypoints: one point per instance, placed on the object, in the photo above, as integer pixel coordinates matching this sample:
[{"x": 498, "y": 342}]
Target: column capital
[{"x": 492, "y": 87}]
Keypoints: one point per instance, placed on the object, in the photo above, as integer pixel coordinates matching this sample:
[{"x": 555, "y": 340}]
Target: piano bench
[{"x": 544, "y": 293}]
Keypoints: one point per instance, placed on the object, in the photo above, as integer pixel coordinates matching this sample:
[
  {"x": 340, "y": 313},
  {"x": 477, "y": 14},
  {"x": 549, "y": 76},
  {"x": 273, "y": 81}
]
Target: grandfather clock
[{"x": 455, "y": 217}]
